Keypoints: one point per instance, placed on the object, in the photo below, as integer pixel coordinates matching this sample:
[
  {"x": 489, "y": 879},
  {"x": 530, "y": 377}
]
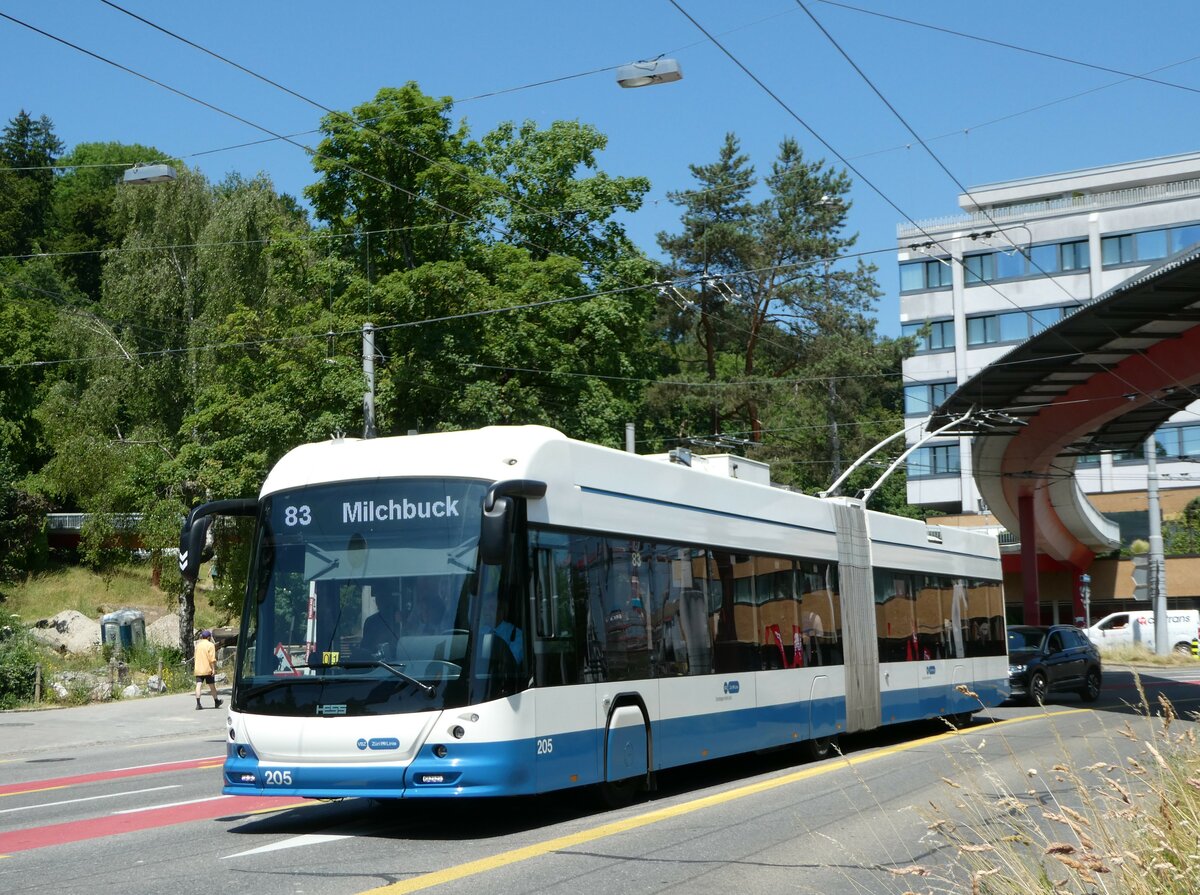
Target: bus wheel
[
  {"x": 620, "y": 793},
  {"x": 819, "y": 749}
]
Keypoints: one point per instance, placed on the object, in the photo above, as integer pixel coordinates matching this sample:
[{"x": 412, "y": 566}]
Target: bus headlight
[
  {"x": 457, "y": 732},
  {"x": 440, "y": 750}
]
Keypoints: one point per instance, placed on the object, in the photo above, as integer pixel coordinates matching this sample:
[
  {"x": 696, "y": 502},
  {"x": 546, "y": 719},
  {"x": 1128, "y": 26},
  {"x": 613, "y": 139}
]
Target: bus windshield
[{"x": 363, "y": 597}]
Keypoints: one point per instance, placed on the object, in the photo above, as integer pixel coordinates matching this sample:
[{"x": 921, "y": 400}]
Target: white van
[{"x": 1128, "y": 628}]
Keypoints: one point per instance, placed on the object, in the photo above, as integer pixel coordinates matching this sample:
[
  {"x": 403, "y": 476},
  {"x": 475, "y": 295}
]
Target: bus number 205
[
  {"x": 277, "y": 778},
  {"x": 546, "y": 746}
]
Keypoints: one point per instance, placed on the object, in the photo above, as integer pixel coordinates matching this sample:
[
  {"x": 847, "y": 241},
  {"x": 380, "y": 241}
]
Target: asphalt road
[{"x": 124, "y": 798}]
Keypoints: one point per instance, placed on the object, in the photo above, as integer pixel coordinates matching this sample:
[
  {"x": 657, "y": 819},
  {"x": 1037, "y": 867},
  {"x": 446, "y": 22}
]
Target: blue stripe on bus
[{"x": 524, "y": 767}]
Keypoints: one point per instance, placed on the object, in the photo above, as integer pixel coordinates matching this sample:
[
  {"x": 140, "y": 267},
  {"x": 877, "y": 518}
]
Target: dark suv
[{"x": 1054, "y": 659}]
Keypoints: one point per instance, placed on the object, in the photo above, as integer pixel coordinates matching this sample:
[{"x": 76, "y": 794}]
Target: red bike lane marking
[
  {"x": 115, "y": 824},
  {"x": 13, "y": 789}
]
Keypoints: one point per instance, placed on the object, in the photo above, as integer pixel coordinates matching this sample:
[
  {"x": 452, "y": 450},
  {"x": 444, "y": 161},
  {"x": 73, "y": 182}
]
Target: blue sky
[{"x": 946, "y": 87}]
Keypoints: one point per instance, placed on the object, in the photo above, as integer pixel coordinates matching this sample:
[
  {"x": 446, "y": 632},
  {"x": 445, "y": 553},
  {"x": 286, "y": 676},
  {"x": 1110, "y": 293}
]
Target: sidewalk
[{"x": 120, "y": 721}]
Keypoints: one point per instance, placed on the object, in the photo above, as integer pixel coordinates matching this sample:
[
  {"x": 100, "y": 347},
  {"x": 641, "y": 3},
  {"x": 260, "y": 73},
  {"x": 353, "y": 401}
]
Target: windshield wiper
[
  {"x": 455, "y": 558},
  {"x": 428, "y": 689},
  {"x": 275, "y": 684},
  {"x": 333, "y": 562}
]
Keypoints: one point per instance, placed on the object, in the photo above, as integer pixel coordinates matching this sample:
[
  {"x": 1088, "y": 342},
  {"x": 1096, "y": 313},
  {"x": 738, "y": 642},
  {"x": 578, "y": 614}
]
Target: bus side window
[{"x": 556, "y": 651}]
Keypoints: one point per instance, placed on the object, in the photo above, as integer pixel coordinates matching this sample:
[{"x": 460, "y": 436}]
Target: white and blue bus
[{"x": 507, "y": 611}]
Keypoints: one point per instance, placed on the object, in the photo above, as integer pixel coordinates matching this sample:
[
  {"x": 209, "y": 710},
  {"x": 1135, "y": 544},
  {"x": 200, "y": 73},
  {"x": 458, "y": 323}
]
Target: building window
[
  {"x": 1014, "y": 326},
  {"x": 1189, "y": 441},
  {"x": 1152, "y": 245},
  {"x": 922, "y": 398},
  {"x": 1011, "y": 265},
  {"x": 1135, "y": 456},
  {"x": 1168, "y": 442},
  {"x": 1037, "y": 260},
  {"x": 933, "y": 335},
  {"x": 916, "y": 276},
  {"x": 1043, "y": 259},
  {"x": 1088, "y": 460},
  {"x": 1117, "y": 250},
  {"x": 934, "y": 460},
  {"x": 983, "y": 330},
  {"x": 1044, "y": 318},
  {"x": 980, "y": 268},
  {"x": 1185, "y": 237},
  {"x": 1074, "y": 255},
  {"x": 1147, "y": 245}
]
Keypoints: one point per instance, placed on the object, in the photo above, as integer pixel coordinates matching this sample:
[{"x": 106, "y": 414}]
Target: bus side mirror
[
  {"x": 193, "y": 537},
  {"x": 495, "y": 531},
  {"x": 497, "y": 522}
]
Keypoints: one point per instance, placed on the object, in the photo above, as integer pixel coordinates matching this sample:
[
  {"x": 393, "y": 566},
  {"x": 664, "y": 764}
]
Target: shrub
[
  {"x": 22, "y": 530},
  {"x": 18, "y": 662}
]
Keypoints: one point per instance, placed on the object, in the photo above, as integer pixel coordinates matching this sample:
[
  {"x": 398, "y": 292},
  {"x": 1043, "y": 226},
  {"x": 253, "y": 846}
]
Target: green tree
[
  {"x": 1182, "y": 535},
  {"x": 27, "y": 325},
  {"x": 780, "y": 330},
  {"x": 203, "y": 372},
  {"x": 22, "y": 529},
  {"x": 397, "y": 168},
  {"x": 546, "y": 205},
  {"x": 575, "y": 365},
  {"x": 83, "y": 221},
  {"x": 28, "y": 150},
  {"x": 520, "y": 217}
]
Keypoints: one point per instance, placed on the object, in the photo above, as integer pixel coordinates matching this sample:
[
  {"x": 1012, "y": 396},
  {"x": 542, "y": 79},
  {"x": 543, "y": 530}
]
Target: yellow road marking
[
  {"x": 22, "y": 792},
  {"x": 515, "y": 856},
  {"x": 307, "y": 803}
]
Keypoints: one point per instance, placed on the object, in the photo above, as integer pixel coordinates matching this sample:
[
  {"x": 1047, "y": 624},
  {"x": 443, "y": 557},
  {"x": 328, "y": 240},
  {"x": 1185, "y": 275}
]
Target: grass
[
  {"x": 1134, "y": 656},
  {"x": 74, "y": 587},
  {"x": 1125, "y": 823}
]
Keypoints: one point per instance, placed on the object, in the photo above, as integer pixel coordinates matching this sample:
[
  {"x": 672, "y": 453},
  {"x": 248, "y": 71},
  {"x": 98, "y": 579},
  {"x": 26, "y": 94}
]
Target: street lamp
[
  {"x": 649, "y": 72},
  {"x": 140, "y": 174}
]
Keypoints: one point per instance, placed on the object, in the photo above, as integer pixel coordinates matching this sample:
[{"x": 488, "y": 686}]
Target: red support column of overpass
[{"x": 1029, "y": 561}]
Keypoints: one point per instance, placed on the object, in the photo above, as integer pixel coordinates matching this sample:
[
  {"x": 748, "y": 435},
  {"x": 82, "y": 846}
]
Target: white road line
[
  {"x": 111, "y": 795},
  {"x": 163, "y": 764},
  {"x": 171, "y": 805},
  {"x": 295, "y": 842}
]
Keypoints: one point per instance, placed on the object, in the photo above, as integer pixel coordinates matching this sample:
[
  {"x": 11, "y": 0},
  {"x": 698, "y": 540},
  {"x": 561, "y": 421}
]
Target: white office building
[{"x": 1021, "y": 255}]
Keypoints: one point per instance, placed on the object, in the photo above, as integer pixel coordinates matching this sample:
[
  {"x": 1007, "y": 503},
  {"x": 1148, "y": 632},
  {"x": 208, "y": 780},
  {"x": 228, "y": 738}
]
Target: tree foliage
[
  {"x": 28, "y": 150},
  {"x": 177, "y": 339},
  {"x": 779, "y": 330}
]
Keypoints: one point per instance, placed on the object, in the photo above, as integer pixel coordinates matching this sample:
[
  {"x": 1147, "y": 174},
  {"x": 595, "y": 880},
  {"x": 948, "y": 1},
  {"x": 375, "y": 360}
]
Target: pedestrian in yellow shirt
[{"x": 206, "y": 667}]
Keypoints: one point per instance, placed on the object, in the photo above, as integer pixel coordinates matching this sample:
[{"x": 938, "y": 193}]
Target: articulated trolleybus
[{"x": 508, "y": 611}]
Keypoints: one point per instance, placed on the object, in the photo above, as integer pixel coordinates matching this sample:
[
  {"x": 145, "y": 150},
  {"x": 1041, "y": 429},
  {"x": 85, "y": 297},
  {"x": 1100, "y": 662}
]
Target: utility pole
[
  {"x": 369, "y": 374},
  {"x": 835, "y": 442},
  {"x": 1157, "y": 576}
]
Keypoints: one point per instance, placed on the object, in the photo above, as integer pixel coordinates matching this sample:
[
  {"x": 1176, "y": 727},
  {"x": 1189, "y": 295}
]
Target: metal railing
[
  {"x": 75, "y": 521},
  {"x": 1156, "y": 192}
]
